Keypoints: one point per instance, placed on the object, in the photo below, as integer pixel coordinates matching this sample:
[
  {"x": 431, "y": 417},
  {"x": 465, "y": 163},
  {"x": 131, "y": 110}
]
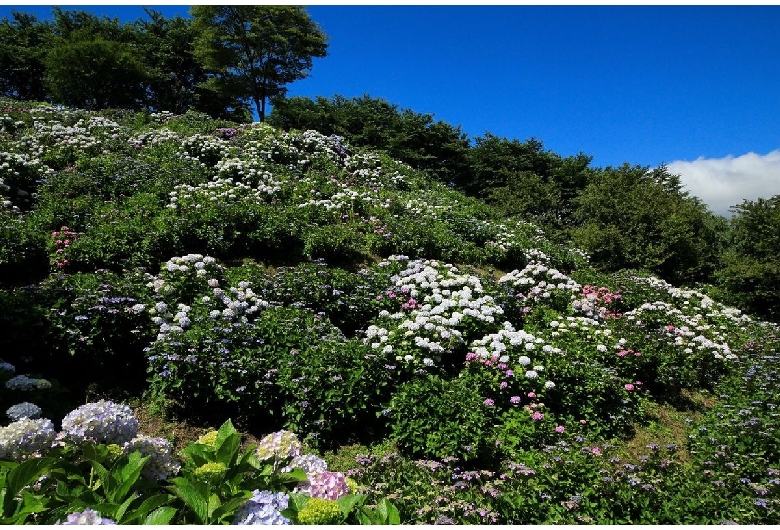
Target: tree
[
  {"x": 93, "y": 63},
  {"x": 524, "y": 179},
  {"x": 174, "y": 75},
  {"x": 253, "y": 51},
  {"x": 23, "y": 46},
  {"x": 751, "y": 264},
  {"x": 638, "y": 218}
]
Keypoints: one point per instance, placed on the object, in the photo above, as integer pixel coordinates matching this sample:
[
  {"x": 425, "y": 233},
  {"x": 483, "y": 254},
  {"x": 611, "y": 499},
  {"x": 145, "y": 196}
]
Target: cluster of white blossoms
[
  {"x": 691, "y": 331},
  {"x": 436, "y": 301},
  {"x": 693, "y": 301},
  {"x": 344, "y": 201},
  {"x": 230, "y": 304},
  {"x": 203, "y": 148},
  {"x": 154, "y": 137},
  {"x": 220, "y": 192},
  {"x": 539, "y": 281}
]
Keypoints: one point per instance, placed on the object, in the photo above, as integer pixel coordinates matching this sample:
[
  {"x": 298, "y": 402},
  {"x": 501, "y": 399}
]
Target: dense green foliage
[{"x": 751, "y": 266}]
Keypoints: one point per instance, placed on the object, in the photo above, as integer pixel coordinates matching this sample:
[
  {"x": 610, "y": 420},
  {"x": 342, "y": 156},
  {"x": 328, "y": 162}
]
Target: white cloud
[{"x": 724, "y": 182}]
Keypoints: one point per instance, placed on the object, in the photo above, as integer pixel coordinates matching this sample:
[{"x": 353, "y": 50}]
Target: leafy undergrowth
[{"x": 418, "y": 357}]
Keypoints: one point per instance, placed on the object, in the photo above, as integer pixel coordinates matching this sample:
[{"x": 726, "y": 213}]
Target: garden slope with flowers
[{"x": 448, "y": 364}]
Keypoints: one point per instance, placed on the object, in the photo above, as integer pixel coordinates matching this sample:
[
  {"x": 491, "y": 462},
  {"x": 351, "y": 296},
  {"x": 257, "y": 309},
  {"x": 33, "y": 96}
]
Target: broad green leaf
[
  {"x": 149, "y": 504},
  {"x": 191, "y": 497},
  {"x": 227, "y": 449},
  {"x": 228, "y": 507},
  {"x": 162, "y": 515},
  {"x": 347, "y": 502},
  {"x": 23, "y": 475},
  {"x": 213, "y": 504}
]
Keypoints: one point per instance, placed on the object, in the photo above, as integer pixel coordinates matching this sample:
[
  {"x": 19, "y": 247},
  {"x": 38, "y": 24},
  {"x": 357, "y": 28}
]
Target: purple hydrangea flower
[
  {"x": 263, "y": 508},
  {"x": 88, "y": 516},
  {"x": 161, "y": 465},
  {"x": 101, "y": 422}
]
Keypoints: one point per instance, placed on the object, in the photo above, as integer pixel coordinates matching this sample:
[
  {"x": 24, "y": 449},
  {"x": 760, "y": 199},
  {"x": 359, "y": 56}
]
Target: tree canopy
[{"x": 254, "y": 51}]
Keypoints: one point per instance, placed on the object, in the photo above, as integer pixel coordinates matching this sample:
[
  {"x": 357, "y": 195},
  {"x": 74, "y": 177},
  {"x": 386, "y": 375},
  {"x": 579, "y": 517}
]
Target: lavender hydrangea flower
[
  {"x": 263, "y": 508},
  {"x": 88, "y": 516},
  {"x": 308, "y": 463},
  {"x": 101, "y": 422},
  {"x": 25, "y": 436},
  {"x": 161, "y": 465},
  {"x": 23, "y": 410},
  {"x": 279, "y": 445}
]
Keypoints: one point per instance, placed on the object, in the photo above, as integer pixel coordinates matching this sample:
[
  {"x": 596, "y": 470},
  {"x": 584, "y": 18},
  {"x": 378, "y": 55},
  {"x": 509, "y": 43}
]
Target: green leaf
[
  {"x": 192, "y": 498},
  {"x": 213, "y": 504},
  {"x": 161, "y": 515},
  {"x": 128, "y": 474},
  {"x": 389, "y": 512},
  {"x": 149, "y": 504},
  {"x": 21, "y": 476},
  {"x": 229, "y": 507},
  {"x": 227, "y": 449},
  {"x": 347, "y": 502}
]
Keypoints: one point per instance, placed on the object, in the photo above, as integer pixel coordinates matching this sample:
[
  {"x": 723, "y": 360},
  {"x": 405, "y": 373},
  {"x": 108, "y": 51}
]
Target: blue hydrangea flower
[
  {"x": 26, "y": 436},
  {"x": 263, "y": 508},
  {"x": 7, "y": 367},
  {"x": 161, "y": 465},
  {"x": 23, "y": 410},
  {"x": 88, "y": 516},
  {"x": 101, "y": 422}
]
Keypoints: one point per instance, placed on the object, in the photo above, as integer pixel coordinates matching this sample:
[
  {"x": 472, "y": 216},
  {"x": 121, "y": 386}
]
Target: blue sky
[{"x": 693, "y": 87}]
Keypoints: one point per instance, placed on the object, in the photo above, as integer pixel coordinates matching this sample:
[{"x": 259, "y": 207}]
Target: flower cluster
[
  {"x": 88, "y": 516},
  {"x": 440, "y": 302},
  {"x": 23, "y": 410},
  {"x": 101, "y": 422},
  {"x": 23, "y": 382},
  {"x": 538, "y": 281},
  {"x": 263, "y": 507},
  {"x": 320, "y": 511},
  {"x": 62, "y": 240},
  {"x": 279, "y": 445},
  {"x": 25, "y": 436},
  {"x": 161, "y": 465},
  {"x": 595, "y": 301}
]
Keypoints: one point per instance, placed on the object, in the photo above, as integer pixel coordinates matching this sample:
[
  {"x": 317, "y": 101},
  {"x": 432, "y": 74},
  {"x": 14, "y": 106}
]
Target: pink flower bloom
[
  {"x": 489, "y": 402},
  {"x": 514, "y": 399},
  {"x": 583, "y": 422},
  {"x": 596, "y": 451},
  {"x": 531, "y": 395},
  {"x": 560, "y": 429},
  {"x": 503, "y": 384},
  {"x": 629, "y": 387},
  {"x": 536, "y": 416}
]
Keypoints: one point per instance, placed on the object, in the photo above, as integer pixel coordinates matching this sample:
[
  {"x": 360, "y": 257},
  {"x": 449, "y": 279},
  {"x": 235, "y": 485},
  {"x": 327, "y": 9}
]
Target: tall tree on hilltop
[
  {"x": 253, "y": 51},
  {"x": 23, "y": 46}
]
